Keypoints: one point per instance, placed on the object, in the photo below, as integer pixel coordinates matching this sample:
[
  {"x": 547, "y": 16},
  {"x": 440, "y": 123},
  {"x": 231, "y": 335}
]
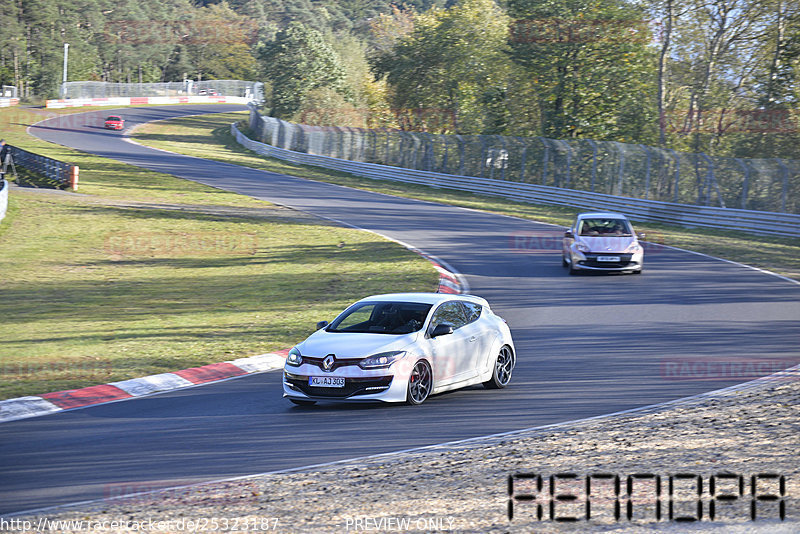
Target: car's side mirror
[
  {"x": 321, "y": 325},
  {"x": 641, "y": 236},
  {"x": 568, "y": 234},
  {"x": 442, "y": 330}
]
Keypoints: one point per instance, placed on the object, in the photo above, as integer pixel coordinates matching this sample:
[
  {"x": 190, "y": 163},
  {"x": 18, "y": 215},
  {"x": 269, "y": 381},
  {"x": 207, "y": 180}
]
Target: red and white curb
[
  {"x": 145, "y": 100},
  {"x": 33, "y": 406},
  {"x": 449, "y": 281}
]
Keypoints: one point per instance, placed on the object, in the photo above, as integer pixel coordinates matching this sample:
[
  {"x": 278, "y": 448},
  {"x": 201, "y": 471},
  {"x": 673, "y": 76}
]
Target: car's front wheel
[
  {"x": 419, "y": 383},
  {"x": 503, "y": 367}
]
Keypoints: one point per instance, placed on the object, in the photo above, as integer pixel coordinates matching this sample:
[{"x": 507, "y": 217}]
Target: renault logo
[{"x": 327, "y": 363}]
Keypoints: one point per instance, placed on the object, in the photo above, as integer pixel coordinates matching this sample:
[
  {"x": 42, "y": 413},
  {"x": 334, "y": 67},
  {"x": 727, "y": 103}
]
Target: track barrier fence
[
  {"x": 64, "y": 174},
  {"x": 647, "y": 183}
]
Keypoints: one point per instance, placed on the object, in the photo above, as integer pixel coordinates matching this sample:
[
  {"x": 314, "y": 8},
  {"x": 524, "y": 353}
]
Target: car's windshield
[
  {"x": 605, "y": 227},
  {"x": 382, "y": 318},
  {"x": 112, "y": 118}
]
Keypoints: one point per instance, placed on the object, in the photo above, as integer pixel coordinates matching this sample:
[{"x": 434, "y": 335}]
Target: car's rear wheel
[
  {"x": 419, "y": 383},
  {"x": 503, "y": 367},
  {"x": 302, "y": 402}
]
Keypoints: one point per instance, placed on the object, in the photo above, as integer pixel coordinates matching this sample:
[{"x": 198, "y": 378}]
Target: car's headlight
[
  {"x": 582, "y": 247},
  {"x": 382, "y": 360},
  {"x": 294, "y": 357},
  {"x": 633, "y": 248}
]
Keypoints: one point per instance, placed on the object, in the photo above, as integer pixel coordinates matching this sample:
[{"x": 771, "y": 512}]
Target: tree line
[{"x": 717, "y": 76}]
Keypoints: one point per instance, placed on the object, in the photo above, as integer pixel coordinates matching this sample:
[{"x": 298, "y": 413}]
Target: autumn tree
[
  {"x": 218, "y": 42},
  {"x": 450, "y": 69}
]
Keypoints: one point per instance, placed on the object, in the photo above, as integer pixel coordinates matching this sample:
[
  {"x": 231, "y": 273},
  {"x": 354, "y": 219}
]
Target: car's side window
[
  {"x": 472, "y": 310},
  {"x": 449, "y": 313}
]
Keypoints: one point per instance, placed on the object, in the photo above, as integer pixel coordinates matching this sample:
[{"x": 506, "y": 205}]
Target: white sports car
[
  {"x": 401, "y": 348},
  {"x": 602, "y": 242}
]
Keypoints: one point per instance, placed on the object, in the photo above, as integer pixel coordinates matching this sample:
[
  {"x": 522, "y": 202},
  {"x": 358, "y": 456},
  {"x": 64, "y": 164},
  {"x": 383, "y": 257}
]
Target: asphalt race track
[{"x": 587, "y": 345}]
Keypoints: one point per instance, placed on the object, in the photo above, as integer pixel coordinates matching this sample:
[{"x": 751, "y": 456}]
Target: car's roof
[
  {"x": 111, "y": 117},
  {"x": 601, "y": 214},
  {"x": 424, "y": 298}
]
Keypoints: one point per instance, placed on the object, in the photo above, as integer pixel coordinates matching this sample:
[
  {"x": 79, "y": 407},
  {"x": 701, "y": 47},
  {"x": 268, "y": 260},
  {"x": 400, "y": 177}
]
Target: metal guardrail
[
  {"x": 3, "y": 199},
  {"x": 755, "y": 222},
  {"x": 605, "y": 167},
  {"x": 65, "y": 174}
]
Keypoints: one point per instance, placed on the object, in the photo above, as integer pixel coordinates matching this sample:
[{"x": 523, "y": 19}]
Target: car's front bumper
[
  {"x": 386, "y": 387},
  {"x": 590, "y": 261}
]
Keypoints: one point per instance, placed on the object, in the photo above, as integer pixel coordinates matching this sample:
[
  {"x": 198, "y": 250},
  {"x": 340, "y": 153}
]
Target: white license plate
[
  {"x": 326, "y": 381},
  {"x": 607, "y": 258}
]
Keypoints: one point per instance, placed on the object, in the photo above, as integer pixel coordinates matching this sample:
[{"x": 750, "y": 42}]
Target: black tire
[
  {"x": 564, "y": 261},
  {"x": 302, "y": 402},
  {"x": 503, "y": 368},
  {"x": 420, "y": 383},
  {"x": 572, "y": 270}
]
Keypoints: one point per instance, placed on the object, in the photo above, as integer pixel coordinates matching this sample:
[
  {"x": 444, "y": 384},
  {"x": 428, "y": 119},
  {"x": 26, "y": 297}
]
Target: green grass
[
  {"x": 209, "y": 136},
  {"x": 144, "y": 273},
  {"x": 109, "y": 178}
]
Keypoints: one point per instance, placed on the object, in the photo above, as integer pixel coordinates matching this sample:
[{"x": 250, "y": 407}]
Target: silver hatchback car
[{"x": 602, "y": 241}]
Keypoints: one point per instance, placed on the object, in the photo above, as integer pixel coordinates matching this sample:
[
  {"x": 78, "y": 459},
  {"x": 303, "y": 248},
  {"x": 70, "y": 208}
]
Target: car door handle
[{"x": 472, "y": 339}]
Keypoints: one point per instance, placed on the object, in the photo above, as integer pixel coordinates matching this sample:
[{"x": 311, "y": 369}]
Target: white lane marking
[
  {"x": 793, "y": 373},
  {"x": 643, "y": 409}
]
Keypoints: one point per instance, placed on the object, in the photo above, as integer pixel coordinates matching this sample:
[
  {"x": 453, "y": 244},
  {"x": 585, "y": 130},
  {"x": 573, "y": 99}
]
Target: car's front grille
[
  {"x": 336, "y": 363},
  {"x": 591, "y": 260},
  {"x": 352, "y": 386}
]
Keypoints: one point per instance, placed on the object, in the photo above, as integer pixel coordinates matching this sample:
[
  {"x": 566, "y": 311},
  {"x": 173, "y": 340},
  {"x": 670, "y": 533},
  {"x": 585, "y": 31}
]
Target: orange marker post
[{"x": 73, "y": 177}]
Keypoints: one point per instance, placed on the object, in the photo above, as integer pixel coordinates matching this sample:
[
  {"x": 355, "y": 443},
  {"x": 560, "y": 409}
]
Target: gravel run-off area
[{"x": 739, "y": 433}]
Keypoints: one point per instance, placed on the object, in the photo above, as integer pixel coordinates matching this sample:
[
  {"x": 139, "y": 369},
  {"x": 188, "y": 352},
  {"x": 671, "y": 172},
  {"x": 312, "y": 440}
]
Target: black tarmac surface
[{"x": 587, "y": 345}]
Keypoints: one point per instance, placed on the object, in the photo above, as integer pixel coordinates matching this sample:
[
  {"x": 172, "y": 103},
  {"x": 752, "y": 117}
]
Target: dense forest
[{"x": 718, "y": 76}]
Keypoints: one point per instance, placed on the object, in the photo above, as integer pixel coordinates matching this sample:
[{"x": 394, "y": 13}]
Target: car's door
[
  {"x": 449, "y": 352},
  {"x": 479, "y": 339}
]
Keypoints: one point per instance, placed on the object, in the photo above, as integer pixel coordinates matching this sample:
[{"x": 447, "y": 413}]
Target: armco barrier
[
  {"x": 604, "y": 167},
  {"x": 8, "y": 102},
  {"x": 3, "y": 198},
  {"x": 755, "y": 222},
  {"x": 63, "y": 173}
]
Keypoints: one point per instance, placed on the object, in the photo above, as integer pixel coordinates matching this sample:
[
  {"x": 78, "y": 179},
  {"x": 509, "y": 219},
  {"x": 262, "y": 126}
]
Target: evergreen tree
[
  {"x": 297, "y": 62},
  {"x": 590, "y": 64}
]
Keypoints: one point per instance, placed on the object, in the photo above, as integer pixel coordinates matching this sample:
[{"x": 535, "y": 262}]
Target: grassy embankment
[
  {"x": 209, "y": 136},
  {"x": 144, "y": 273}
]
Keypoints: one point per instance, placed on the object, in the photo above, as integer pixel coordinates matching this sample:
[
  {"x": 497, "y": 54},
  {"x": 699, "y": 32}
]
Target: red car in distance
[{"x": 114, "y": 122}]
